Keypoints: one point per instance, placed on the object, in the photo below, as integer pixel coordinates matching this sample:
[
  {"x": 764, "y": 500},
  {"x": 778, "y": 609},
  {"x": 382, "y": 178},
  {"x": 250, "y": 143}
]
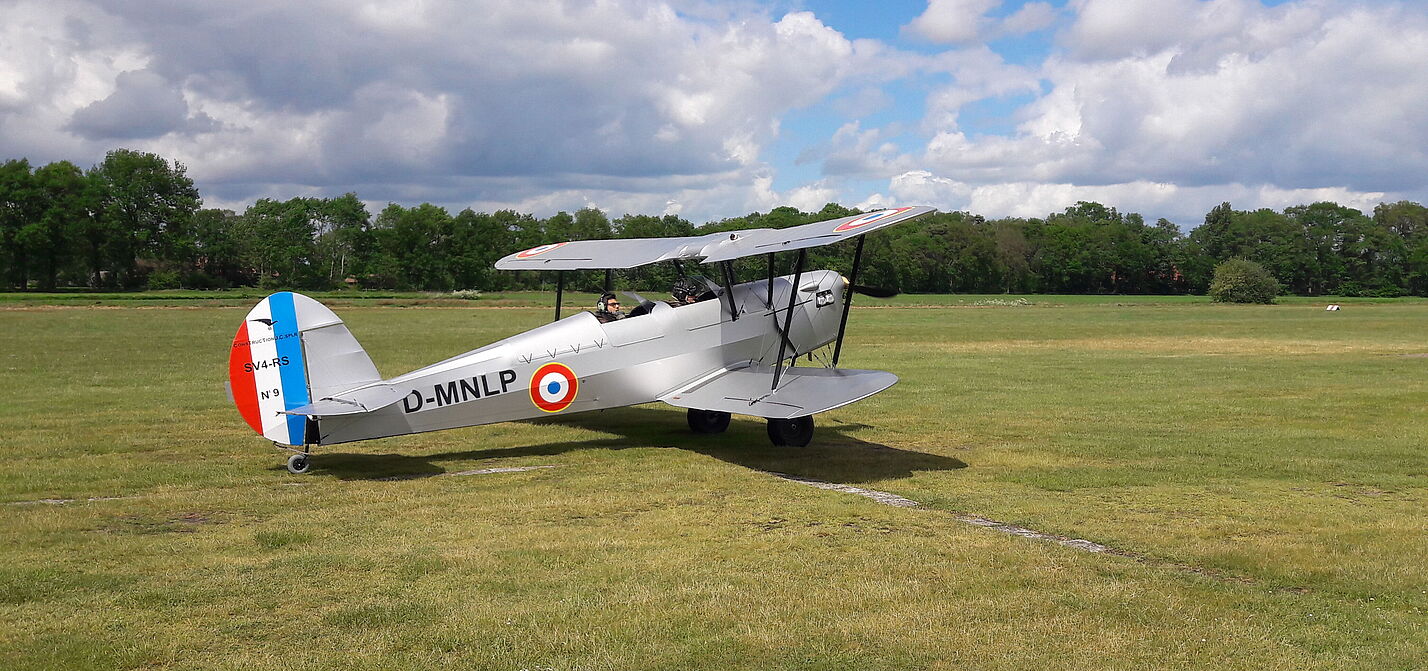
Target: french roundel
[
  {"x": 868, "y": 219},
  {"x": 553, "y": 387},
  {"x": 533, "y": 251}
]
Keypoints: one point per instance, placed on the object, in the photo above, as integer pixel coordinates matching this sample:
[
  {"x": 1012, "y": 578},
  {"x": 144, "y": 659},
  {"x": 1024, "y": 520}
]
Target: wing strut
[
  {"x": 728, "y": 268},
  {"x": 788, "y": 318},
  {"x": 771, "y": 276},
  {"x": 848, "y": 300},
  {"x": 559, "y": 291}
]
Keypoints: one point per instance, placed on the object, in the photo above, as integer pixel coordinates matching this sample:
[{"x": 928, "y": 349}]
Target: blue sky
[{"x": 712, "y": 108}]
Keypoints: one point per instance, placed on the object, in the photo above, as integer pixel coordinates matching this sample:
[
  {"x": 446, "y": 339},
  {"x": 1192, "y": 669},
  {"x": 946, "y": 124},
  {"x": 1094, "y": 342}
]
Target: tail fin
[{"x": 289, "y": 352}]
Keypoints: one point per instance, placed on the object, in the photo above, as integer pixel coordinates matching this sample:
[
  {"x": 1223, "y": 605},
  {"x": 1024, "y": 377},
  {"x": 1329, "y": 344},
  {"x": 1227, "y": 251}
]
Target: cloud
[
  {"x": 1185, "y": 205},
  {"x": 978, "y": 73},
  {"x": 953, "y": 21},
  {"x": 855, "y": 152},
  {"x": 1307, "y": 99},
  {"x": 143, "y": 105},
  {"x": 1031, "y": 17},
  {"x": 553, "y": 92},
  {"x": 966, "y": 21}
]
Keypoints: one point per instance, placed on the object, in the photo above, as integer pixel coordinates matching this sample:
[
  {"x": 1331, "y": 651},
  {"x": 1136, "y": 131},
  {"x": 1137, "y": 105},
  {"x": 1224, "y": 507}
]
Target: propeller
[
  {"x": 874, "y": 292},
  {"x": 639, "y": 300},
  {"x": 709, "y": 284}
]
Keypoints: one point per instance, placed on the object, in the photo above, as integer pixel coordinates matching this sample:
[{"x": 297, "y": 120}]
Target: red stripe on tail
[{"x": 245, "y": 389}]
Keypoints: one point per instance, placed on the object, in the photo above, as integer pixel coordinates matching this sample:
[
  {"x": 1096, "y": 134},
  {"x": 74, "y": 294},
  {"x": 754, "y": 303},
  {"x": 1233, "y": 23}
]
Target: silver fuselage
[{"x": 626, "y": 362}]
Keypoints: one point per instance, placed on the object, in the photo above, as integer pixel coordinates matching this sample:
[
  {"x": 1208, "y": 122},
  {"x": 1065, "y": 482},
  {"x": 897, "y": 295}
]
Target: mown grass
[{"x": 1263, "y": 464}]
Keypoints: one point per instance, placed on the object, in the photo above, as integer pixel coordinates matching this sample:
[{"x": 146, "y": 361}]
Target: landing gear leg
[
  {"x": 299, "y": 463},
  {"x": 708, "y": 421},
  {"x": 796, "y": 432}
]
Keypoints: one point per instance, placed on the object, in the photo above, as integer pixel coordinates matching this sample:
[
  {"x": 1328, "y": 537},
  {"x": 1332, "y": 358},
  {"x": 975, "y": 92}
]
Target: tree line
[{"x": 136, "y": 220}]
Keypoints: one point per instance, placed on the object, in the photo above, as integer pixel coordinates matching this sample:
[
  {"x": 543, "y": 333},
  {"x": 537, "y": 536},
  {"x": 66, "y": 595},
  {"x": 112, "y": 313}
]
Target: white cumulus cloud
[
  {"x": 953, "y": 21},
  {"x": 1163, "y": 102},
  {"x": 435, "y": 97}
]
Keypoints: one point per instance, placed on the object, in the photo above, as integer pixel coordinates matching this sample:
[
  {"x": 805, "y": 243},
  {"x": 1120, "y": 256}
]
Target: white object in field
[{"x": 1332, "y": 308}]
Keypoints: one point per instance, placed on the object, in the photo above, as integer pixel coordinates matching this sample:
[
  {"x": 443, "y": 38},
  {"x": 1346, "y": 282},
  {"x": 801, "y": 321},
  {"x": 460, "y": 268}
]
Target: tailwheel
[
  {"x": 299, "y": 464},
  {"x": 796, "y": 432},
  {"x": 708, "y": 421}
]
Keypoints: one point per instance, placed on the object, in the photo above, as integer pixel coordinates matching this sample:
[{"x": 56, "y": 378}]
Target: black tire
[
  {"x": 796, "y": 432},
  {"x": 299, "y": 464},
  {"x": 708, "y": 421}
]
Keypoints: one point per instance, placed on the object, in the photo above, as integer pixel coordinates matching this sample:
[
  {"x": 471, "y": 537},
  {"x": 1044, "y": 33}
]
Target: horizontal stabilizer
[
  {"x": 801, "y": 391},
  {"x": 355, "y": 402}
]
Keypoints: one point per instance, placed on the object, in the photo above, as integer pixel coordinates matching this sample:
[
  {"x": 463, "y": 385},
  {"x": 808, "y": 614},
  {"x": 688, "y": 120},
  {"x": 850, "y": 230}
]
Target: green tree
[
  {"x": 478, "y": 240},
  {"x": 20, "y": 206},
  {"x": 416, "y": 242},
  {"x": 1243, "y": 281},
  {"x": 1271, "y": 239},
  {"x": 221, "y": 246},
  {"x": 340, "y": 225},
  {"x": 148, "y": 204},
  {"x": 1408, "y": 222},
  {"x": 67, "y": 207},
  {"x": 1213, "y": 236},
  {"x": 281, "y": 241},
  {"x": 1013, "y": 252},
  {"x": 1167, "y": 253}
]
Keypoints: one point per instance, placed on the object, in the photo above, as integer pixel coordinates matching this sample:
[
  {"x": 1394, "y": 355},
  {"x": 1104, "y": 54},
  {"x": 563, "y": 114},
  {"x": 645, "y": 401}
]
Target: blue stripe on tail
[{"x": 293, "y": 373}]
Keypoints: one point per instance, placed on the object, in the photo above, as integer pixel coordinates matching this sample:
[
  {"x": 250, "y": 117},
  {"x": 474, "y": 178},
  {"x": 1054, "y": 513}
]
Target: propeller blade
[
  {"x": 709, "y": 285},
  {"x": 874, "y": 292}
]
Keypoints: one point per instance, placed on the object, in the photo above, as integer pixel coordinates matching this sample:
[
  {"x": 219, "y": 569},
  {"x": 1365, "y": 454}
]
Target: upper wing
[
  {"x": 801, "y": 391},
  {"x": 619, "y": 253},
  {"x": 765, "y": 240},
  {"x": 629, "y": 253}
]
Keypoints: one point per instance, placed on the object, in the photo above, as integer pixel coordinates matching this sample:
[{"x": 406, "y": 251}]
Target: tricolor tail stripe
[{"x": 294, "y": 371}]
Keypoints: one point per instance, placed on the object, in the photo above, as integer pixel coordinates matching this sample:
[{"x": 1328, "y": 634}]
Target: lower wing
[{"x": 801, "y": 391}]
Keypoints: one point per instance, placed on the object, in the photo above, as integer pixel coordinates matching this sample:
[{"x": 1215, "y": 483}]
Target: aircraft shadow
[{"x": 835, "y": 455}]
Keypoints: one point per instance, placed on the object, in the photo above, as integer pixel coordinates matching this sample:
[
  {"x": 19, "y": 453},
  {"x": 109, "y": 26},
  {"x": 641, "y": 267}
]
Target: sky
[{"x": 711, "y": 109}]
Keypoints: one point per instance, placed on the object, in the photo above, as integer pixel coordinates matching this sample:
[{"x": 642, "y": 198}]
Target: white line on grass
[
  {"x": 889, "y": 499},
  {"x": 479, "y": 471},
  {"x": 60, "y": 502}
]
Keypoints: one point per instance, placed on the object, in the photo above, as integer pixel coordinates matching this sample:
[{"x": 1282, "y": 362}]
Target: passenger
[
  {"x": 685, "y": 292},
  {"x": 607, "y": 309}
]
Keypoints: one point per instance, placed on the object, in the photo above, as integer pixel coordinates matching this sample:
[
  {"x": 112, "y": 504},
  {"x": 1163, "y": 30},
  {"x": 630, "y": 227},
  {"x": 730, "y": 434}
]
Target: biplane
[{"x": 300, "y": 379}]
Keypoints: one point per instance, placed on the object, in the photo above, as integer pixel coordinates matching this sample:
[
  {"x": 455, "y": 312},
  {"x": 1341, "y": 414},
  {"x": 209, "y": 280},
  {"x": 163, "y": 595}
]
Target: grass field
[{"x": 1259, "y": 472}]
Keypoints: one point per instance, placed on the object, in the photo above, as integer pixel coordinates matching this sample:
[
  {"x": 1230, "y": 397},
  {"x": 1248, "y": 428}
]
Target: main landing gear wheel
[
  {"x": 708, "y": 421},
  {"x": 299, "y": 464},
  {"x": 794, "y": 432}
]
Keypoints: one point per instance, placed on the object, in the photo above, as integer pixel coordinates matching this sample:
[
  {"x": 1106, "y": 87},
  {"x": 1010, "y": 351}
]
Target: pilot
[
  {"x": 607, "y": 309},
  {"x": 685, "y": 292}
]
